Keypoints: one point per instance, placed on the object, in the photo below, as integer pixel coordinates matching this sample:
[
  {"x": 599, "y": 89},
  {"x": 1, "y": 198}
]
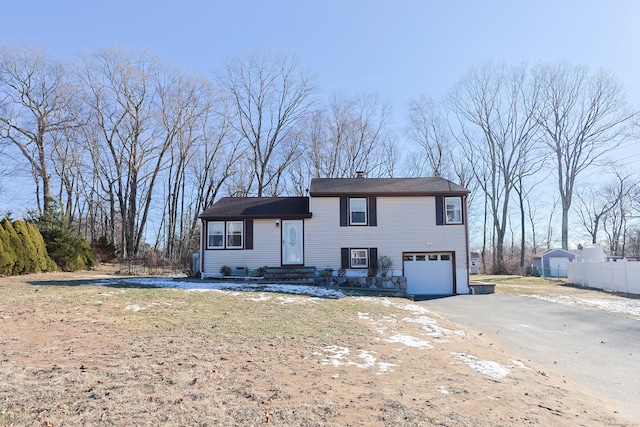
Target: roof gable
[
  {"x": 258, "y": 207},
  {"x": 429, "y": 186},
  {"x": 560, "y": 253}
]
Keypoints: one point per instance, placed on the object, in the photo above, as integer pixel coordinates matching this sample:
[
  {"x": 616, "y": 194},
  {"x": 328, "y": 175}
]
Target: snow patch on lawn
[
  {"x": 487, "y": 367},
  {"x": 429, "y": 325},
  {"x": 205, "y": 285},
  {"x": 409, "y": 341},
  {"x": 432, "y": 328},
  {"x": 518, "y": 364},
  {"x": 262, "y": 297},
  {"x": 413, "y": 308},
  {"x": 133, "y": 307},
  {"x": 442, "y": 389},
  {"x": 339, "y": 356}
]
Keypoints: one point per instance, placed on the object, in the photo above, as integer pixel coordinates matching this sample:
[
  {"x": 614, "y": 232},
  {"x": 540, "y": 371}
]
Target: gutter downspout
[
  {"x": 202, "y": 236},
  {"x": 466, "y": 238}
]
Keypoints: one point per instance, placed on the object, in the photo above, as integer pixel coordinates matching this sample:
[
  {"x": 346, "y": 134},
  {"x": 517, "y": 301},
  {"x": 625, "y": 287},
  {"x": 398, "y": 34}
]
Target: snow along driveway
[{"x": 596, "y": 348}]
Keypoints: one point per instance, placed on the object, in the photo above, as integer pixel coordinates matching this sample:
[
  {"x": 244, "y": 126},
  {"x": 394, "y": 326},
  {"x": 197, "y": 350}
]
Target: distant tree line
[{"x": 130, "y": 150}]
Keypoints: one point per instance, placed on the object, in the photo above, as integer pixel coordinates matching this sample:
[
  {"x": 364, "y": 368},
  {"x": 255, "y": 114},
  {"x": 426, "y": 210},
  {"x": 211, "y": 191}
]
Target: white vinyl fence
[{"x": 611, "y": 276}]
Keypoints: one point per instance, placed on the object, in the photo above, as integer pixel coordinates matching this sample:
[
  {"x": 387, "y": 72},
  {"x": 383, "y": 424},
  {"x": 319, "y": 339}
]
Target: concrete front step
[
  {"x": 309, "y": 282},
  {"x": 291, "y": 269},
  {"x": 290, "y": 275}
]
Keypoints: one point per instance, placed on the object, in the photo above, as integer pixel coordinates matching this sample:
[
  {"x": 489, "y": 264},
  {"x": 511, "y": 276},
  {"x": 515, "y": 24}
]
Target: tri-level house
[{"x": 348, "y": 224}]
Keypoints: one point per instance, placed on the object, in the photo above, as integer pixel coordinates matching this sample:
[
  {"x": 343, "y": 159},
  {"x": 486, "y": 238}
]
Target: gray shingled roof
[
  {"x": 258, "y": 207},
  {"x": 385, "y": 187}
]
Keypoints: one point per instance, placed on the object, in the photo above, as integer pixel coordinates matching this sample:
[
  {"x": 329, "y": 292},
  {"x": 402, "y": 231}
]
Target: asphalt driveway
[{"x": 598, "y": 350}]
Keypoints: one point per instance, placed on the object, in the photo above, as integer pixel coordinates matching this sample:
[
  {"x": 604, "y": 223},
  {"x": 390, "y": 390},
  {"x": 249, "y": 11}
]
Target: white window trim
[
  {"x": 209, "y": 223},
  {"x": 364, "y": 199},
  {"x": 227, "y": 235},
  {"x": 366, "y": 258},
  {"x": 457, "y": 201}
]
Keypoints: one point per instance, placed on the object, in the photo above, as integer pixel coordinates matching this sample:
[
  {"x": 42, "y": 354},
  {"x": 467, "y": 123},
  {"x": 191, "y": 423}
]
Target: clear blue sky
[{"x": 399, "y": 49}]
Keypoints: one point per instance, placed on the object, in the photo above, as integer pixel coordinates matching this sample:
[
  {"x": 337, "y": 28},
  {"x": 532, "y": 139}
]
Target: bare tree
[
  {"x": 185, "y": 104},
  {"x": 595, "y": 203},
  {"x": 621, "y": 195},
  {"x": 495, "y": 107},
  {"x": 352, "y": 135},
  {"x": 270, "y": 95},
  {"x": 428, "y": 127},
  {"x": 122, "y": 93},
  {"x": 531, "y": 164},
  {"x": 218, "y": 159},
  {"x": 584, "y": 116},
  {"x": 35, "y": 100}
]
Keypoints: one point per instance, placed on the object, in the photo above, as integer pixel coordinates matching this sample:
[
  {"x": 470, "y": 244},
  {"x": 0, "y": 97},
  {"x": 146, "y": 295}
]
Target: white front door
[{"x": 292, "y": 242}]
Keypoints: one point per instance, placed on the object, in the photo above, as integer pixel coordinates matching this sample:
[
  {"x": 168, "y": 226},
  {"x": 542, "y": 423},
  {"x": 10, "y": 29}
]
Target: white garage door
[{"x": 429, "y": 273}]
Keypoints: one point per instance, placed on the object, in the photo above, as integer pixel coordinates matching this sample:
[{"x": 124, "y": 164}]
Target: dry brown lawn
[{"x": 76, "y": 354}]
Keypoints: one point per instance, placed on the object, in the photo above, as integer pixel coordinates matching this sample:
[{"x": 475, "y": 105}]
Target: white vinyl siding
[
  {"x": 404, "y": 224},
  {"x": 266, "y": 250}
]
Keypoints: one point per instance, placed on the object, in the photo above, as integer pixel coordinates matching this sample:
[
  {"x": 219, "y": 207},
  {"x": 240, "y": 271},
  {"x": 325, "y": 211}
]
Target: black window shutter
[
  {"x": 439, "y": 210},
  {"x": 344, "y": 258},
  {"x": 344, "y": 212},
  {"x": 248, "y": 234},
  {"x": 373, "y": 211},
  {"x": 373, "y": 258}
]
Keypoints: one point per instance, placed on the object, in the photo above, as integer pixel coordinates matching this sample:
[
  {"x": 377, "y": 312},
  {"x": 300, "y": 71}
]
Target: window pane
[
  {"x": 421, "y": 257},
  {"x": 215, "y": 241},
  {"x": 234, "y": 234},
  {"x": 358, "y": 218},
  {"x": 408, "y": 258},
  {"x": 444, "y": 258},
  {"x": 453, "y": 207},
  {"x": 358, "y": 211},
  {"x": 433, "y": 257},
  {"x": 216, "y": 234},
  {"x": 359, "y": 258},
  {"x": 358, "y": 204}
]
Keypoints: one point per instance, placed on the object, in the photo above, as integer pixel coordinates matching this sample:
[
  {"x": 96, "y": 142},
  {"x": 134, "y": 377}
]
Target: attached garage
[{"x": 429, "y": 273}]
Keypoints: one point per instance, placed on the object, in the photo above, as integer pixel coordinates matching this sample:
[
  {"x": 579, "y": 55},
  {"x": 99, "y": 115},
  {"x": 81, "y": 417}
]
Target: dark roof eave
[
  {"x": 390, "y": 194},
  {"x": 242, "y": 217}
]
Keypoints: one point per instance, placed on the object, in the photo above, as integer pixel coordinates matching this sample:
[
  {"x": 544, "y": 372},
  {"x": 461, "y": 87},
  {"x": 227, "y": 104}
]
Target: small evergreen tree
[
  {"x": 20, "y": 265},
  {"x": 7, "y": 254},
  {"x": 64, "y": 245},
  {"x": 45, "y": 263},
  {"x": 104, "y": 250},
  {"x": 31, "y": 262}
]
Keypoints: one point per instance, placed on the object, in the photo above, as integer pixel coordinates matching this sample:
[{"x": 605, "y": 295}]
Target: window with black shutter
[
  {"x": 373, "y": 211},
  {"x": 344, "y": 258},
  {"x": 344, "y": 212},
  {"x": 373, "y": 259},
  {"x": 248, "y": 234},
  {"x": 358, "y": 211},
  {"x": 439, "y": 210}
]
